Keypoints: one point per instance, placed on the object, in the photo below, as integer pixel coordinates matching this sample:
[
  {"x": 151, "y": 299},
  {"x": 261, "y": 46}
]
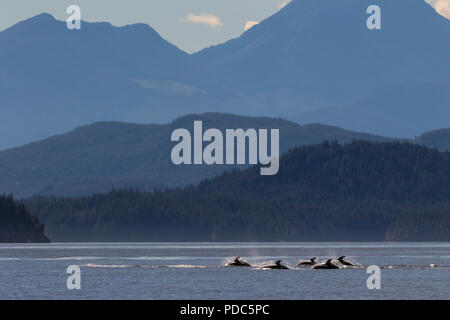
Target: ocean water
[{"x": 195, "y": 271}]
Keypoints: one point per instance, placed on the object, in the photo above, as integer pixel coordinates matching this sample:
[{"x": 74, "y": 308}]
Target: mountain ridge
[
  {"x": 98, "y": 157},
  {"x": 310, "y": 57},
  {"x": 108, "y": 154}
]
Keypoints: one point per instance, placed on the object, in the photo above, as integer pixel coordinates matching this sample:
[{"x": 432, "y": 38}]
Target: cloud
[
  {"x": 441, "y": 6},
  {"x": 283, "y": 3},
  {"x": 250, "y": 24},
  {"x": 204, "y": 18}
]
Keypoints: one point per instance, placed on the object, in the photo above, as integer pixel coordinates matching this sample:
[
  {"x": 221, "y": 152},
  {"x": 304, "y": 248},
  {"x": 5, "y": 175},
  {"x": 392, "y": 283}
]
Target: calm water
[{"x": 191, "y": 271}]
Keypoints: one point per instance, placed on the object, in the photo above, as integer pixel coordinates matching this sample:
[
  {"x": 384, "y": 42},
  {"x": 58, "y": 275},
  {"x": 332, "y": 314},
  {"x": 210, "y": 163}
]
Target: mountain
[
  {"x": 439, "y": 139},
  {"x": 314, "y": 61},
  {"x": 98, "y": 157},
  {"x": 318, "y": 57},
  {"x": 402, "y": 110},
  {"x": 17, "y": 224},
  {"x": 53, "y": 79},
  {"x": 360, "y": 191}
]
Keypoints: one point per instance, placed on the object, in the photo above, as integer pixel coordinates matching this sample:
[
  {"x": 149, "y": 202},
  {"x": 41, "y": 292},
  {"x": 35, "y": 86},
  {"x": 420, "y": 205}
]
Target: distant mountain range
[
  {"x": 404, "y": 110},
  {"x": 328, "y": 192},
  {"x": 98, "y": 157},
  {"x": 53, "y": 79},
  {"x": 312, "y": 62}
]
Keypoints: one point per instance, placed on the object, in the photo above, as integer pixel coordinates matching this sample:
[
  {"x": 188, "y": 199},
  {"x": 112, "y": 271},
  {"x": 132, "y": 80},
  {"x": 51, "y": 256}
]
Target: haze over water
[{"x": 193, "y": 271}]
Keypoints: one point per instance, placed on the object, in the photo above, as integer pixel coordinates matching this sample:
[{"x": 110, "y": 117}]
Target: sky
[{"x": 189, "y": 24}]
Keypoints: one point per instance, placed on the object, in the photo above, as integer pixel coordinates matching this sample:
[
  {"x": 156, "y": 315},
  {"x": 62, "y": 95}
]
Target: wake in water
[
  {"x": 91, "y": 265},
  {"x": 183, "y": 266},
  {"x": 340, "y": 263}
]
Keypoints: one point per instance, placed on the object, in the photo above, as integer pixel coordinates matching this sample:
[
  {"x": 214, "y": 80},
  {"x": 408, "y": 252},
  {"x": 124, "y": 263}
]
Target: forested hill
[
  {"x": 17, "y": 224},
  {"x": 329, "y": 192},
  {"x": 94, "y": 158}
]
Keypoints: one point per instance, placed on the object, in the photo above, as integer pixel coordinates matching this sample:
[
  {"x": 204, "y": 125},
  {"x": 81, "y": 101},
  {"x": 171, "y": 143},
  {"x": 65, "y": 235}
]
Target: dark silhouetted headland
[{"x": 17, "y": 225}]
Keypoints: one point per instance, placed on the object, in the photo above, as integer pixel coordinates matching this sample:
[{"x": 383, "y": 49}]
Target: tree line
[
  {"x": 17, "y": 224},
  {"x": 360, "y": 191}
]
